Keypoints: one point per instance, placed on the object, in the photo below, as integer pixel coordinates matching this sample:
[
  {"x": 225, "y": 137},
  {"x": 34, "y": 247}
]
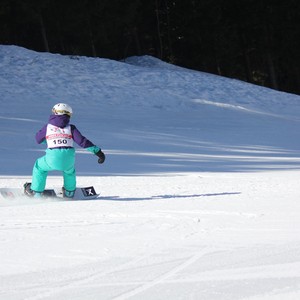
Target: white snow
[{"x": 199, "y": 193}]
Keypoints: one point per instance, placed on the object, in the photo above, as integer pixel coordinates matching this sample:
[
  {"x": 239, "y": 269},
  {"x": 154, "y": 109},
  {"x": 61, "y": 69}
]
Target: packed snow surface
[{"x": 199, "y": 193}]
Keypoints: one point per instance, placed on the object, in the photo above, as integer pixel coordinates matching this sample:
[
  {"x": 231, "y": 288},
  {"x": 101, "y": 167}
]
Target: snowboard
[{"x": 81, "y": 193}]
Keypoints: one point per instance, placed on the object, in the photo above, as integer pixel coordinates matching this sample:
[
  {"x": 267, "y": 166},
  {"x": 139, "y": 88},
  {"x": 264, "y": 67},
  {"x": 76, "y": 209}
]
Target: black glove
[{"x": 101, "y": 156}]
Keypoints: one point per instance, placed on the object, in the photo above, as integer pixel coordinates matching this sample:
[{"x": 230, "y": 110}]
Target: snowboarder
[{"x": 59, "y": 136}]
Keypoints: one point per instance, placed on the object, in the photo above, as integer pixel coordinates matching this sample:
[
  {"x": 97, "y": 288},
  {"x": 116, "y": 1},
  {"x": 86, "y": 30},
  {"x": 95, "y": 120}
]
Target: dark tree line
[{"x": 253, "y": 40}]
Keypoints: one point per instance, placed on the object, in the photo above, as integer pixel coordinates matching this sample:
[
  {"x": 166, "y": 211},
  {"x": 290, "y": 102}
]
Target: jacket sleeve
[
  {"x": 82, "y": 141},
  {"x": 41, "y": 135}
]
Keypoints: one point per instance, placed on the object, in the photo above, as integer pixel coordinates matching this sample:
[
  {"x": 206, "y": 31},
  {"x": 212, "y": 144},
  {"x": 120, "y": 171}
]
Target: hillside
[{"x": 199, "y": 192}]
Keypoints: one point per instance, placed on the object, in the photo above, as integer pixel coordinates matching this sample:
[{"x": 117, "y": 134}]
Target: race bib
[{"x": 57, "y": 137}]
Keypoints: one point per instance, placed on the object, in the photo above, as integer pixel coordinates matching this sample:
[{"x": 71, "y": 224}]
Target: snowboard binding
[
  {"x": 68, "y": 194},
  {"x": 29, "y": 192}
]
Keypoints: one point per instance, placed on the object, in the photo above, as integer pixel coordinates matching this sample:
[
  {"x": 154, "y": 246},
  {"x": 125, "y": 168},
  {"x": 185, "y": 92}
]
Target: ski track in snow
[
  {"x": 70, "y": 283},
  {"x": 164, "y": 277},
  {"x": 74, "y": 282}
]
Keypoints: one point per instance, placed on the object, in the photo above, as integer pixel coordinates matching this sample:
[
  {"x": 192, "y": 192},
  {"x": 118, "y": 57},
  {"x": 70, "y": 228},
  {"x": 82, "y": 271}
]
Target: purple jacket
[{"x": 63, "y": 121}]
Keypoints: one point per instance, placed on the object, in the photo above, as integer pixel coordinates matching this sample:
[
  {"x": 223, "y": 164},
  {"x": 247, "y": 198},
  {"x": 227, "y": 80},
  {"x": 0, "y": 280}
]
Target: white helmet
[{"x": 62, "y": 109}]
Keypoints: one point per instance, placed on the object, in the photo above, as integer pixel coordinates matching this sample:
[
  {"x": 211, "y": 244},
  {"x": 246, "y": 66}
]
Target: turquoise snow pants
[{"x": 58, "y": 160}]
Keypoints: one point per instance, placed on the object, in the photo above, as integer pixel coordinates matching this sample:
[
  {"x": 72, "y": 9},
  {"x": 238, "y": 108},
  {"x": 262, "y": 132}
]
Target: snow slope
[{"x": 199, "y": 192}]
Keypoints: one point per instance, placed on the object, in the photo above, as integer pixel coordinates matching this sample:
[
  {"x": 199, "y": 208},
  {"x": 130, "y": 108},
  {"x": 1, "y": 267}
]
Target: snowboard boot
[
  {"x": 68, "y": 194},
  {"x": 29, "y": 192}
]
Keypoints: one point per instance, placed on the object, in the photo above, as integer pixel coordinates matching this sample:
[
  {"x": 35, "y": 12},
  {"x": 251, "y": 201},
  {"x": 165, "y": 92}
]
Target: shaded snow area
[{"x": 199, "y": 194}]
